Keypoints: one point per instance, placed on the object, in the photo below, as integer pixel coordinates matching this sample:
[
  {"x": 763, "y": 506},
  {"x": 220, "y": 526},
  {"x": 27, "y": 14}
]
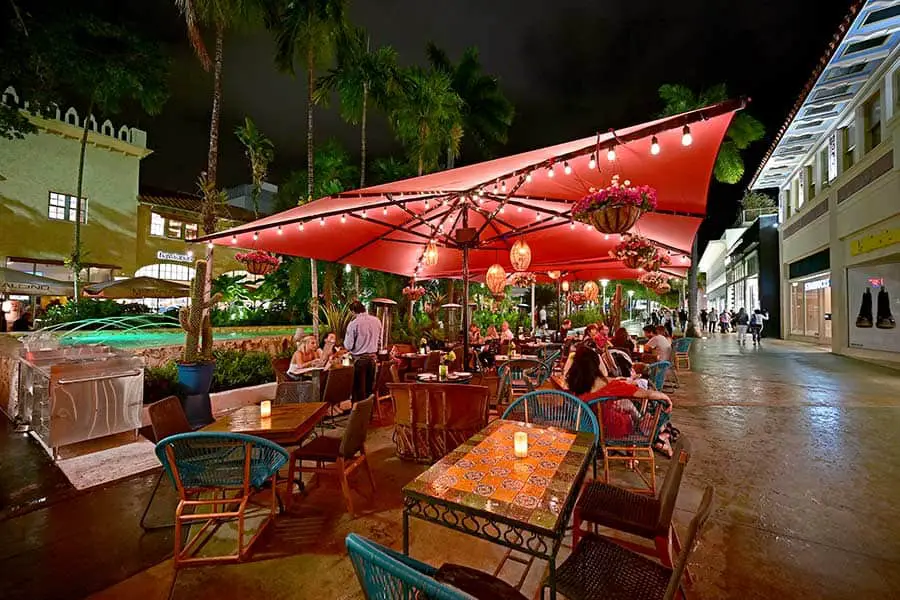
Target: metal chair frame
[{"x": 166, "y": 409}]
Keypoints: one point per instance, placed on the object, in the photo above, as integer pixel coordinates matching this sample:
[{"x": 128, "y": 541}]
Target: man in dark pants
[{"x": 361, "y": 340}]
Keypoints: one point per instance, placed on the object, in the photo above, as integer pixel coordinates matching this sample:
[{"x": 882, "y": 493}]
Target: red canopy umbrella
[{"x": 474, "y": 214}]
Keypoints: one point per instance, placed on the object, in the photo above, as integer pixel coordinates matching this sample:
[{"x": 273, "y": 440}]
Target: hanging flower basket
[
  {"x": 413, "y": 292},
  {"x": 656, "y": 281},
  {"x": 615, "y": 208},
  {"x": 577, "y": 298},
  {"x": 522, "y": 279},
  {"x": 635, "y": 251},
  {"x": 258, "y": 262},
  {"x": 663, "y": 288}
]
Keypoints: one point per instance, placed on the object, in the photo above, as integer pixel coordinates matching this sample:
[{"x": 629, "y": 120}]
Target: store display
[
  {"x": 875, "y": 327},
  {"x": 885, "y": 319},
  {"x": 865, "y": 310}
]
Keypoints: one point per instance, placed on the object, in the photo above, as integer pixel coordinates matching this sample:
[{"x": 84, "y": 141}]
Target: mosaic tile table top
[{"x": 483, "y": 476}]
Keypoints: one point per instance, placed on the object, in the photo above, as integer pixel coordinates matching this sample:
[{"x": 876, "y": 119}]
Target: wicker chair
[
  {"x": 517, "y": 377},
  {"x": 346, "y": 454},
  {"x": 431, "y": 419},
  {"x": 682, "y": 353},
  {"x": 166, "y": 418},
  {"x": 553, "y": 408},
  {"x": 656, "y": 374},
  {"x": 218, "y": 471},
  {"x": 599, "y": 568},
  {"x": 636, "y": 514},
  {"x": 635, "y": 447}
]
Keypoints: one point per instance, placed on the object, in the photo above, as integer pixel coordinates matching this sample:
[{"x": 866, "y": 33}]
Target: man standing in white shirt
[{"x": 362, "y": 340}]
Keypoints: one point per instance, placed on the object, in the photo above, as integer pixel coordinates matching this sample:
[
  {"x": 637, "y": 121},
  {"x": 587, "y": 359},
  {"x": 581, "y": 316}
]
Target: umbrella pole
[
  {"x": 559, "y": 315},
  {"x": 533, "y": 312},
  {"x": 465, "y": 310}
]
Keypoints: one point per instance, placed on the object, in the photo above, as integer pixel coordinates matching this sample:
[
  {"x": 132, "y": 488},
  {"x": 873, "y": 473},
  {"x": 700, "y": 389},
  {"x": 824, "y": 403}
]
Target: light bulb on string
[
  {"x": 347, "y": 268},
  {"x": 519, "y": 209},
  {"x": 686, "y": 138},
  {"x": 550, "y": 172},
  {"x": 537, "y": 215},
  {"x": 567, "y": 169},
  {"x": 427, "y": 204},
  {"x": 384, "y": 211},
  {"x": 611, "y": 154},
  {"x": 528, "y": 177},
  {"x": 365, "y": 214},
  {"x": 234, "y": 239},
  {"x": 343, "y": 219},
  {"x": 684, "y": 259},
  {"x": 255, "y": 236},
  {"x": 503, "y": 186},
  {"x": 501, "y": 209},
  {"x": 209, "y": 245},
  {"x": 279, "y": 230},
  {"x": 592, "y": 164},
  {"x": 654, "y": 146},
  {"x": 300, "y": 226},
  {"x": 495, "y": 188},
  {"x": 606, "y": 236},
  {"x": 572, "y": 225},
  {"x": 321, "y": 221}
]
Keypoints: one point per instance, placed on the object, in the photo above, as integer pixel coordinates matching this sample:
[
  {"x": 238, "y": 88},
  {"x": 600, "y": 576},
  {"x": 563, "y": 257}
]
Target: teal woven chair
[
  {"x": 518, "y": 376},
  {"x": 385, "y": 574},
  {"x": 215, "y": 475},
  {"x": 681, "y": 355},
  {"x": 656, "y": 374},
  {"x": 552, "y": 408}
]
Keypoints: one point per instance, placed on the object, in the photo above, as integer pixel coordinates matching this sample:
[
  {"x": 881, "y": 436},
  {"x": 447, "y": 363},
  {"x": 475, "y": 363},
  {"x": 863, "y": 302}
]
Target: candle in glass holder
[
  {"x": 520, "y": 444},
  {"x": 346, "y": 360},
  {"x": 265, "y": 409},
  {"x": 640, "y": 348}
]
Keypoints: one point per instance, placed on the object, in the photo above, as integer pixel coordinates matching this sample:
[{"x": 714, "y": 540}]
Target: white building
[
  {"x": 713, "y": 263},
  {"x": 834, "y": 166}
]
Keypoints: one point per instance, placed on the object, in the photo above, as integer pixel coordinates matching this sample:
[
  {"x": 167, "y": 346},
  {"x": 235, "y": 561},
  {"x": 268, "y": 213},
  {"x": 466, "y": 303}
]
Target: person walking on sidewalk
[
  {"x": 724, "y": 321},
  {"x": 704, "y": 319},
  {"x": 757, "y": 319},
  {"x": 742, "y": 321}
]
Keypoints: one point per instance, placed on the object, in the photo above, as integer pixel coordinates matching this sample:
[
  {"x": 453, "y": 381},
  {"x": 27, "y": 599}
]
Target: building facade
[
  {"x": 125, "y": 231},
  {"x": 834, "y": 166}
]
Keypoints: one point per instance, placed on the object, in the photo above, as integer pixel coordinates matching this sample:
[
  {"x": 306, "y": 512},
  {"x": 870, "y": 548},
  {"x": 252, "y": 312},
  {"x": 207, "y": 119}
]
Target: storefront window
[
  {"x": 813, "y": 312},
  {"x": 797, "y": 313}
]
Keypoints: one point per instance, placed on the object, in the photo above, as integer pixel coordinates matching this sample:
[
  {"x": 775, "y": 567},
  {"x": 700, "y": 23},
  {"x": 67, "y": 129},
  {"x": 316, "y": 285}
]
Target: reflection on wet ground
[{"x": 799, "y": 443}]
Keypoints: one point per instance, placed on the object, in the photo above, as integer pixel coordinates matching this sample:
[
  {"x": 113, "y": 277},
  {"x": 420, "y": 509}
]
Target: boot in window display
[
  {"x": 864, "y": 320},
  {"x": 885, "y": 320}
]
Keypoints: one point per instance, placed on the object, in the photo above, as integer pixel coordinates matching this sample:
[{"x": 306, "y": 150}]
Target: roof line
[{"x": 807, "y": 89}]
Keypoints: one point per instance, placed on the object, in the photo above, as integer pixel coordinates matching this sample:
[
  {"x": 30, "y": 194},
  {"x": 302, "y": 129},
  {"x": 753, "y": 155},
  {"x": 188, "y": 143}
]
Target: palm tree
[
  {"x": 260, "y": 152},
  {"x": 729, "y": 167},
  {"x": 359, "y": 77},
  {"x": 221, "y": 15},
  {"x": 306, "y": 30},
  {"x": 487, "y": 113},
  {"x": 388, "y": 169},
  {"x": 427, "y": 116}
]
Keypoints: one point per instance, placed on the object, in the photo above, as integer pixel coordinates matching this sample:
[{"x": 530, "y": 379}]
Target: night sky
[{"x": 570, "y": 68}]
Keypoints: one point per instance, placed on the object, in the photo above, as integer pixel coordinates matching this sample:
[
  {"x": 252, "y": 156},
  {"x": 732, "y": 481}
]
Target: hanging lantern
[
  {"x": 565, "y": 286},
  {"x": 553, "y": 274},
  {"x": 495, "y": 278},
  {"x": 520, "y": 255},
  {"x": 430, "y": 256},
  {"x": 591, "y": 291}
]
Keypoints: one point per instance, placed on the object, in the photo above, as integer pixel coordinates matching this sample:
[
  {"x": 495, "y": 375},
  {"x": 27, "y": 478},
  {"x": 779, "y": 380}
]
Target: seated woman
[
  {"x": 622, "y": 340},
  {"x": 475, "y": 338},
  {"x": 307, "y": 355},
  {"x": 590, "y": 332},
  {"x": 335, "y": 353},
  {"x": 491, "y": 335},
  {"x": 588, "y": 379},
  {"x": 506, "y": 333}
]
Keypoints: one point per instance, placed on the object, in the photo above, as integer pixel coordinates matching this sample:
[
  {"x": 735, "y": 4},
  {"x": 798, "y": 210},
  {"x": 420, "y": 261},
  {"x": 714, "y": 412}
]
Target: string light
[
  {"x": 343, "y": 219},
  {"x": 550, "y": 172},
  {"x": 503, "y": 185},
  {"x": 384, "y": 211},
  {"x": 495, "y": 188},
  {"x": 654, "y": 146},
  {"x": 279, "y": 230},
  {"x": 365, "y": 214},
  {"x": 567, "y": 169},
  {"x": 686, "y": 138},
  {"x": 347, "y": 268},
  {"x": 501, "y": 209},
  {"x": 234, "y": 239},
  {"x": 209, "y": 245},
  {"x": 444, "y": 202},
  {"x": 592, "y": 164},
  {"x": 427, "y": 204},
  {"x": 300, "y": 226},
  {"x": 255, "y": 236},
  {"x": 528, "y": 177},
  {"x": 684, "y": 259},
  {"x": 537, "y": 215},
  {"x": 611, "y": 154},
  {"x": 606, "y": 236},
  {"x": 572, "y": 225},
  {"x": 321, "y": 221},
  {"x": 519, "y": 209}
]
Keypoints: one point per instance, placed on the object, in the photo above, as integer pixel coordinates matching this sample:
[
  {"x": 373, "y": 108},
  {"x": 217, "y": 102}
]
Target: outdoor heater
[{"x": 384, "y": 308}]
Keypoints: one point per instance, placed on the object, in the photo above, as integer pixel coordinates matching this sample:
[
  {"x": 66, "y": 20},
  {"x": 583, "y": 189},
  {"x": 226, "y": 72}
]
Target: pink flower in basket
[
  {"x": 635, "y": 249},
  {"x": 258, "y": 256},
  {"x": 616, "y": 194},
  {"x": 413, "y": 292},
  {"x": 653, "y": 279}
]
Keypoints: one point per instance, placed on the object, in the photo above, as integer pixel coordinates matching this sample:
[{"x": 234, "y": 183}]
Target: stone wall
[{"x": 273, "y": 345}]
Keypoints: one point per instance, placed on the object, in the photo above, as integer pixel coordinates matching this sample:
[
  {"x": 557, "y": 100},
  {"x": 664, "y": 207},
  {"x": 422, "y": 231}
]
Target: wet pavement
[{"x": 800, "y": 444}]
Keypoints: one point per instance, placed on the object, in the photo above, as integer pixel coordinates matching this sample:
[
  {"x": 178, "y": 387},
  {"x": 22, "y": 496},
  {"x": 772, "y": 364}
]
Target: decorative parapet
[{"x": 70, "y": 124}]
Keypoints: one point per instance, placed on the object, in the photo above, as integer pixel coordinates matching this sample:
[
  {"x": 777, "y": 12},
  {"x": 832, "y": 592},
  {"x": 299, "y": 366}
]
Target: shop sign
[
  {"x": 875, "y": 241},
  {"x": 174, "y": 256},
  {"x": 821, "y": 284}
]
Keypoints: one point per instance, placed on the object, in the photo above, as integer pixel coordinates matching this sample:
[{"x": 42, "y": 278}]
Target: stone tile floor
[{"x": 799, "y": 443}]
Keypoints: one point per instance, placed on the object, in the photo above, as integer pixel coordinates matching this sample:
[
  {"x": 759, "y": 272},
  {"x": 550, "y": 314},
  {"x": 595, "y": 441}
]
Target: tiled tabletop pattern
[{"x": 483, "y": 474}]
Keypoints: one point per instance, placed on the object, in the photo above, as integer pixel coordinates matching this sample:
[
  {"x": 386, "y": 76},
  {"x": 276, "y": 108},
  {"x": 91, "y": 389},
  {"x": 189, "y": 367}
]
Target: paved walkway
[{"x": 799, "y": 443}]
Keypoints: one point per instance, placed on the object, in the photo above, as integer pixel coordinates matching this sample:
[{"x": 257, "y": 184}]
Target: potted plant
[
  {"x": 577, "y": 298},
  {"x": 635, "y": 251},
  {"x": 656, "y": 281},
  {"x": 615, "y": 208},
  {"x": 195, "y": 369},
  {"x": 258, "y": 262}
]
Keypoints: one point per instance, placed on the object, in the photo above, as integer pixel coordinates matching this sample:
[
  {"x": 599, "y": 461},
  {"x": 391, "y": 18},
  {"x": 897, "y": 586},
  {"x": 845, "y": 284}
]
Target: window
[
  {"x": 832, "y": 93},
  {"x": 801, "y": 189},
  {"x": 166, "y": 271},
  {"x": 62, "y": 207},
  {"x": 173, "y": 229},
  {"x": 808, "y": 176},
  {"x": 896, "y": 78},
  {"x": 190, "y": 231},
  {"x": 157, "y": 224},
  {"x": 823, "y": 167},
  {"x": 838, "y": 72},
  {"x": 865, "y": 45},
  {"x": 872, "y": 120},
  {"x": 884, "y": 13},
  {"x": 849, "y": 143},
  {"x": 788, "y": 208}
]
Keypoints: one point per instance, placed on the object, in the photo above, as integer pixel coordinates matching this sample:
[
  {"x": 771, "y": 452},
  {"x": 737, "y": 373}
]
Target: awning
[
  {"x": 138, "y": 287},
  {"x": 386, "y": 227},
  {"x": 19, "y": 282}
]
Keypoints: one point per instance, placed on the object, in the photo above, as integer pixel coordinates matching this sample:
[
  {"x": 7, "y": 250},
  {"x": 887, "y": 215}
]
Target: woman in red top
[{"x": 587, "y": 378}]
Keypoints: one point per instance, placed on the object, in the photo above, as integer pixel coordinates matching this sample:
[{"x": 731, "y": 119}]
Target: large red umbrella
[{"x": 524, "y": 196}]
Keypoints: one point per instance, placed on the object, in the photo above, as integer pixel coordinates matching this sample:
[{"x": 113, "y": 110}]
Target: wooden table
[
  {"x": 288, "y": 425},
  {"x": 482, "y": 489}
]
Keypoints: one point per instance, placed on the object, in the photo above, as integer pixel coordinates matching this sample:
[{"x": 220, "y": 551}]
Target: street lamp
[
  {"x": 631, "y": 305},
  {"x": 603, "y": 284}
]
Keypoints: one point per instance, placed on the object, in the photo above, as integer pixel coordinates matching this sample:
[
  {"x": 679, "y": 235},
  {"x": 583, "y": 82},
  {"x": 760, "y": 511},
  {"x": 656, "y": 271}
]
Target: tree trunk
[
  {"x": 421, "y": 164},
  {"x": 76, "y": 250},
  {"x": 450, "y": 162},
  {"x": 212, "y": 159},
  {"x": 692, "y": 294},
  {"x": 310, "y": 175},
  {"x": 362, "y": 143}
]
